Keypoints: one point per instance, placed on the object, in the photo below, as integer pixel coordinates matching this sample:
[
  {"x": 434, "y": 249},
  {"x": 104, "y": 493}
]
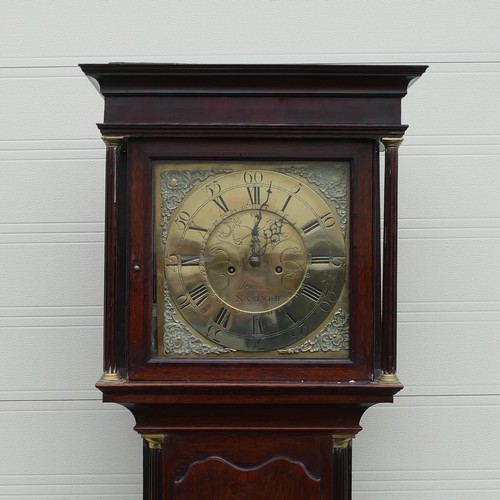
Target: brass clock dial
[{"x": 252, "y": 257}]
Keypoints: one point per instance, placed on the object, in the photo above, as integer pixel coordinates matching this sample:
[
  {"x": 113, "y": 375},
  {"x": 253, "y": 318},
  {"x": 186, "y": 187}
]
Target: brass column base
[
  {"x": 110, "y": 378},
  {"x": 388, "y": 379}
]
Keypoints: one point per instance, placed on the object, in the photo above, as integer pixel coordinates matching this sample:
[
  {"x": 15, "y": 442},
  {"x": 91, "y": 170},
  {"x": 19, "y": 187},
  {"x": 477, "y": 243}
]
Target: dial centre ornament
[{"x": 252, "y": 268}]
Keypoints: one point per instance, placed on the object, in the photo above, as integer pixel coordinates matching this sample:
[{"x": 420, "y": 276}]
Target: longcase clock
[{"x": 250, "y": 315}]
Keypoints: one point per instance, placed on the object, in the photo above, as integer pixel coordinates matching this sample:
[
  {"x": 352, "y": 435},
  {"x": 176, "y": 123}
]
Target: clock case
[{"x": 257, "y": 113}]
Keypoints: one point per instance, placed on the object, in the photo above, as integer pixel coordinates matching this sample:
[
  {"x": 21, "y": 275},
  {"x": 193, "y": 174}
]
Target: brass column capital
[
  {"x": 112, "y": 140},
  {"x": 341, "y": 441},
  {"x": 392, "y": 142},
  {"x": 155, "y": 441}
]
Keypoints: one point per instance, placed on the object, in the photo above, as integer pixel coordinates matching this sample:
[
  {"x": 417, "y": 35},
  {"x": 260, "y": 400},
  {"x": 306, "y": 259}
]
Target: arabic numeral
[
  {"x": 182, "y": 301},
  {"x": 328, "y": 219},
  {"x": 182, "y": 220},
  {"x": 213, "y": 188},
  {"x": 326, "y": 305},
  {"x": 255, "y": 177},
  {"x": 213, "y": 331}
]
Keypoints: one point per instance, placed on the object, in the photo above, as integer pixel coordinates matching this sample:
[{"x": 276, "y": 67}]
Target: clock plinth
[{"x": 248, "y": 322}]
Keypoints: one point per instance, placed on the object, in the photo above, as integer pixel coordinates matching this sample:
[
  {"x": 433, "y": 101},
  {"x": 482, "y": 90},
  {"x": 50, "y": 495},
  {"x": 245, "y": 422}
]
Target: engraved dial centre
[{"x": 255, "y": 260}]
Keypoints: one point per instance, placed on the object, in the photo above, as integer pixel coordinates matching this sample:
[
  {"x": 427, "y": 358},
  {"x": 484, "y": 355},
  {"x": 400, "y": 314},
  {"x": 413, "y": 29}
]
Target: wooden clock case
[{"x": 253, "y": 428}]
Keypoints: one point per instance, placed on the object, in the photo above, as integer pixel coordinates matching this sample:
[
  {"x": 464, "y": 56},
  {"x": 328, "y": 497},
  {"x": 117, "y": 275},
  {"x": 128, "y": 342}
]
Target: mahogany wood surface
[
  {"x": 111, "y": 310},
  {"x": 249, "y": 466},
  {"x": 342, "y": 465},
  {"x": 279, "y": 479},
  {"x": 389, "y": 292},
  {"x": 152, "y": 473},
  {"x": 142, "y": 363},
  {"x": 334, "y": 418}
]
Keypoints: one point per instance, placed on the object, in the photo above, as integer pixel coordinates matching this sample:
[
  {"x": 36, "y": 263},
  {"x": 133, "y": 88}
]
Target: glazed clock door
[
  {"x": 243, "y": 261},
  {"x": 254, "y": 257}
]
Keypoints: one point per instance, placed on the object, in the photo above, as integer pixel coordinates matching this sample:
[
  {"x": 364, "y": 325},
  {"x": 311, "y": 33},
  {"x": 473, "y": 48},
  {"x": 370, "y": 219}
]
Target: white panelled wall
[{"x": 441, "y": 439}]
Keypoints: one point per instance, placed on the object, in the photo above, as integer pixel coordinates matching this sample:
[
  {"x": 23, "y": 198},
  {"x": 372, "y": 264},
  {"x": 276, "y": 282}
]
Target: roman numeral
[
  {"x": 219, "y": 201},
  {"x": 320, "y": 259},
  {"x": 311, "y": 292},
  {"x": 199, "y": 294},
  {"x": 289, "y": 316},
  {"x": 328, "y": 220},
  {"x": 256, "y": 326},
  {"x": 222, "y": 317},
  {"x": 286, "y": 203},
  {"x": 196, "y": 228},
  {"x": 310, "y": 226},
  {"x": 295, "y": 190},
  {"x": 190, "y": 260},
  {"x": 254, "y": 194}
]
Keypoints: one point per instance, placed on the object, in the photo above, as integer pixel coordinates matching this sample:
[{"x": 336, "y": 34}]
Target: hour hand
[{"x": 255, "y": 243}]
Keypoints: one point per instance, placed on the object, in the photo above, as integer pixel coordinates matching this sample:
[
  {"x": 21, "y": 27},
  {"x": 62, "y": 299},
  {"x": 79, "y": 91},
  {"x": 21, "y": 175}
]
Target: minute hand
[{"x": 256, "y": 248}]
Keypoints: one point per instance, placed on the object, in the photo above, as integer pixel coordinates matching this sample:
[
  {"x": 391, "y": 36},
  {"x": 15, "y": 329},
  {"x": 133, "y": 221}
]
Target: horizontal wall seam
[{"x": 393, "y": 57}]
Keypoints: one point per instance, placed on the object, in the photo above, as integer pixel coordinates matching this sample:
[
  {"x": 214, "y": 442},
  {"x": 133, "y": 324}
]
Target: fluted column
[
  {"x": 342, "y": 466},
  {"x": 153, "y": 466},
  {"x": 111, "y": 356},
  {"x": 390, "y": 256}
]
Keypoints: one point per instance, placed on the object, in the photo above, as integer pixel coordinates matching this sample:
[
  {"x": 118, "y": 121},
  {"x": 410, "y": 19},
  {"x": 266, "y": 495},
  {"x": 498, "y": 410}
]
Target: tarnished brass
[
  {"x": 251, "y": 257},
  {"x": 342, "y": 440},
  {"x": 112, "y": 140},
  {"x": 155, "y": 441},
  {"x": 392, "y": 142},
  {"x": 110, "y": 378},
  {"x": 388, "y": 379}
]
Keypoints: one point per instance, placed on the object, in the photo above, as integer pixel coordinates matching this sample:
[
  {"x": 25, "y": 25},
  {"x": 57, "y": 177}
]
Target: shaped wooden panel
[{"x": 279, "y": 479}]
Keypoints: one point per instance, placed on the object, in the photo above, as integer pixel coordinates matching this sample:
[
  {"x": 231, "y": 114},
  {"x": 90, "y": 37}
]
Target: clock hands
[
  {"x": 270, "y": 234},
  {"x": 256, "y": 249}
]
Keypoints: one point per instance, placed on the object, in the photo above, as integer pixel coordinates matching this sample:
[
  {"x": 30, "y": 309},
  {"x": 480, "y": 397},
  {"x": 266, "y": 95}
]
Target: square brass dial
[{"x": 252, "y": 259}]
